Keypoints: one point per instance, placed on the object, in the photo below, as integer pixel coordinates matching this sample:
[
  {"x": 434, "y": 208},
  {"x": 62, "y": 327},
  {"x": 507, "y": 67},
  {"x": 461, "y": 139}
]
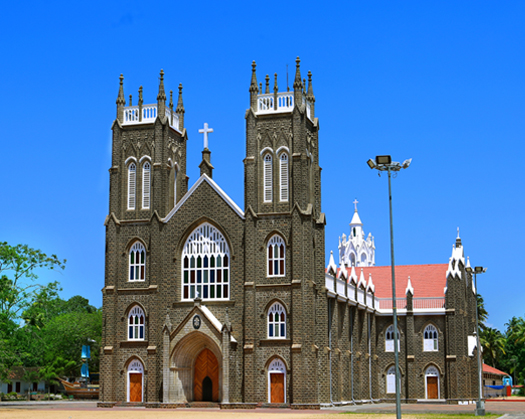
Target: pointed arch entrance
[
  {"x": 277, "y": 382},
  {"x": 206, "y": 377},
  {"x": 432, "y": 383},
  {"x": 135, "y": 381}
]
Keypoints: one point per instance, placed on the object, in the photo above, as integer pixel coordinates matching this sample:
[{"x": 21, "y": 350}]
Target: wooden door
[
  {"x": 206, "y": 366},
  {"x": 135, "y": 387},
  {"x": 432, "y": 388},
  {"x": 276, "y": 388}
]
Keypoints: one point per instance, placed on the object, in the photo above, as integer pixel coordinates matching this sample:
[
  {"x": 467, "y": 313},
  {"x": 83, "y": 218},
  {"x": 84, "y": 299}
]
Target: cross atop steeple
[
  {"x": 355, "y": 204},
  {"x": 205, "y": 131}
]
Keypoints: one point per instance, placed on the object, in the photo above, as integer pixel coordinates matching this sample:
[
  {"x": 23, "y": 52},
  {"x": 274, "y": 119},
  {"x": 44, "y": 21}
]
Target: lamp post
[
  {"x": 480, "y": 404},
  {"x": 385, "y": 164}
]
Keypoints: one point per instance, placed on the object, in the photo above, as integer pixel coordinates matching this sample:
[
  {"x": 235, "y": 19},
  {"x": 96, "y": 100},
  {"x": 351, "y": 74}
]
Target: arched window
[
  {"x": 283, "y": 175},
  {"x": 391, "y": 380},
  {"x": 430, "y": 338},
  {"x": 276, "y": 322},
  {"x": 136, "y": 321},
  {"x": 146, "y": 185},
  {"x": 205, "y": 265},
  {"x": 137, "y": 262},
  {"x": 132, "y": 176},
  {"x": 276, "y": 256},
  {"x": 267, "y": 177},
  {"x": 389, "y": 339}
]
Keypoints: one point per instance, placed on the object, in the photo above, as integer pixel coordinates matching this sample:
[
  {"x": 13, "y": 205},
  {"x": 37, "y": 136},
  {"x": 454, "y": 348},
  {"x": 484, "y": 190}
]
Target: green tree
[
  {"x": 483, "y": 315},
  {"x": 493, "y": 343}
]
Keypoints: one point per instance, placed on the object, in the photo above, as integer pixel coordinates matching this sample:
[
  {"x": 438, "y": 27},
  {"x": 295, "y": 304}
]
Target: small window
[
  {"x": 276, "y": 256},
  {"x": 391, "y": 380},
  {"x": 137, "y": 262},
  {"x": 132, "y": 177},
  {"x": 430, "y": 338},
  {"x": 268, "y": 177},
  {"x": 276, "y": 322},
  {"x": 389, "y": 339},
  {"x": 136, "y": 324},
  {"x": 146, "y": 185},
  {"x": 283, "y": 175}
]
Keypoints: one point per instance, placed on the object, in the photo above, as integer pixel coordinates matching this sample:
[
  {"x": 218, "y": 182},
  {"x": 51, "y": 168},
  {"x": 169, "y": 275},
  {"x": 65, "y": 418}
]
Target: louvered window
[
  {"x": 430, "y": 339},
  {"x": 137, "y": 262},
  {"x": 276, "y": 322},
  {"x": 206, "y": 265},
  {"x": 132, "y": 177},
  {"x": 146, "y": 185},
  {"x": 268, "y": 178},
  {"x": 276, "y": 256},
  {"x": 391, "y": 380},
  {"x": 284, "y": 176},
  {"x": 136, "y": 324}
]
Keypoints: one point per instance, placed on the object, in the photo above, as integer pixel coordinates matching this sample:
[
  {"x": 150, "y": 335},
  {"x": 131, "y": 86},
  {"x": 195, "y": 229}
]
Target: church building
[{"x": 205, "y": 301}]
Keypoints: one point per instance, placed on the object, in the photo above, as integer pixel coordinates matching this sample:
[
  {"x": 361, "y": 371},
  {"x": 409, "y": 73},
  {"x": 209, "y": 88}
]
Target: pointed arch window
[
  {"x": 391, "y": 380},
  {"x": 267, "y": 176},
  {"x": 146, "y": 185},
  {"x": 276, "y": 322},
  {"x": 283, "y": 176},
  {"x": 276, "y": 256},
  {"x": 206, "y": 265},
  {"x": 137, "y": 262},
  {"x": 132, "y": 177},
  {"x": 389, "y": 339},
  {"x": 136, "y": 320},
  {"x": 430, "y": 338}
]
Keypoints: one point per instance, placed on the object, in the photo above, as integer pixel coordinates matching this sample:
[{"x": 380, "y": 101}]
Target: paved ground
[{"x": 88, "y": 410}]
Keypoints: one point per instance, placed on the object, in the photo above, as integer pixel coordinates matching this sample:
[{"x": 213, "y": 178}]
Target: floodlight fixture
[
  {"x": 383, "y": 159},
  {"x": 406, "y": 163},
  {"x": 371, "y": 163}
]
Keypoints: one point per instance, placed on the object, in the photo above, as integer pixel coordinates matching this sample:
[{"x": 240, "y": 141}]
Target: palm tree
[{"x": 493, "y": 343}]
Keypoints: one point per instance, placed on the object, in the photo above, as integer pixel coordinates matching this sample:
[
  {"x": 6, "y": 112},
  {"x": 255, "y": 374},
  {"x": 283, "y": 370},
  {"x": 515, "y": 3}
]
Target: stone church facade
[{"x": 205, "y": 301}]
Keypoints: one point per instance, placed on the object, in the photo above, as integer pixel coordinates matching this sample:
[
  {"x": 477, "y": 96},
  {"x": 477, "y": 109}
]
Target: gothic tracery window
[
  {"x": 283, "y": 177},
  {"x": 206, "y": 265},
  {"x": 389, "y": 339},
  {"x": 267, "y": 177},
  {"x": 146, "y": 185},
  {"x": 430, "y": 338},
  {"x": 136, "y": 320},
  {"x": 276, "y": 322},
  {"x": 276, "y": 256},
  {"x": 137, "y": 262}
]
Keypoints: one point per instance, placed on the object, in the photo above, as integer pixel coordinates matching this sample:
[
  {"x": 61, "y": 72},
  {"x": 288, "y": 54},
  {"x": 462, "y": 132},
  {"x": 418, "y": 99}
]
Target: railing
[
  {"x": 426, "y": 303},
  {"x": 386, "y": 303},
  {"x": 266, "y": 102},
  {"x": 360, "y": 296},
  {"x": 340, "y": 286},
  {"x": 350, "y": 289},
  {"x": 132, "y": 115},
  {"x": 369, "y": 299}
]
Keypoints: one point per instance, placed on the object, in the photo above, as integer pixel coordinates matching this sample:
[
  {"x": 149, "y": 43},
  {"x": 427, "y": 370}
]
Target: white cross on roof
[
  {"x": 355, "y": 203},
  {"x": 205, "y": 131}
]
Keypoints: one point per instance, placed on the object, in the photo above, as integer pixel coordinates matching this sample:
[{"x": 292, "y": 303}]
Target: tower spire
[
  {"x": 180, "y": 109},
  {"x": 161, "y": 97},
  {"x": 310, "y": 95},
  {"x": 297, "y": 84},
  {"x": 121, "y": 100},
  {"x": 254, "y": 90}
]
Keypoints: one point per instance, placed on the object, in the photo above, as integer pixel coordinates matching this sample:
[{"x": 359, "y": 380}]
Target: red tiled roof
[
  {"x": 492, "y": 370},
  {"x": 427, "y": 280}
]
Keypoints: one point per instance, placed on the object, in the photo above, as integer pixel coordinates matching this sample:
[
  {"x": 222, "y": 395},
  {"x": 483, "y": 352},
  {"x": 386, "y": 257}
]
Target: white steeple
[{"x": 355, "y": 250}]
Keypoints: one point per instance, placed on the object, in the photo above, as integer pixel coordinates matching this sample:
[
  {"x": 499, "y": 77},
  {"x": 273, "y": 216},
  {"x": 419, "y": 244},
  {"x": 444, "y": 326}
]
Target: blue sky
[{"x": 439, "y": 82}]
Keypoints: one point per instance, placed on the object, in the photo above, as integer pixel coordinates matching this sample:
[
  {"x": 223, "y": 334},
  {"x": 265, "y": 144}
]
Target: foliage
[
  {"x": 493, "y": 343},
  {"x": 483, "y": 315}
]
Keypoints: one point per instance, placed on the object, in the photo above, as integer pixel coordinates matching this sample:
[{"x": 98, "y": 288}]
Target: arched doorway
[
  {"x": 277, "y": 382},
  {"x": 206, "y": 377},
  {"x": 135, "y": 381},
  {"x": 432, "y": 383}
]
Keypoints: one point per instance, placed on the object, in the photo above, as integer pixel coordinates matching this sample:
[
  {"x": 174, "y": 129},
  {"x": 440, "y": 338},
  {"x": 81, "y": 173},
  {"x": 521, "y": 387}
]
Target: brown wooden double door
[
  {"x": 135, "y": 387},
  {"x": 206, "y": 377},
  {"x": 276, "y": 388},
  {"x": 432, "y": 387}
]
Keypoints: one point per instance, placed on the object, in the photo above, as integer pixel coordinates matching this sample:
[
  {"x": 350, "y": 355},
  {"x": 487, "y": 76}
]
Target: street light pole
[
  {"x": 384, "y": 163},
  {"x": 480, "y": 404}
]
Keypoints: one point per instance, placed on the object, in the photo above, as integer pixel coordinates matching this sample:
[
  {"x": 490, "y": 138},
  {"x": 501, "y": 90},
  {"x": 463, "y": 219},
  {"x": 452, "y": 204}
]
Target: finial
[
  {"x": 162, "y": 94},
  {"x": 140, "y": 96},
  {"x": 409, "y": 288},
  {"x": 458, "y": 233},
  {"x": 310, "y": 93},
  {"x": 275, "y": 88},
  {"x": 130, "y": 103},
  {"x": 355, "y": 204},
  {"x": 253, "y": 84},
  {"x": 180, "y": 105},
  {"x": 297, "y": 81},
  {"x": 120, "y": 97},
  {"x": 171, "y": 99},
  {"x": 458, "y": 240},
  {"x": 304, "y": 85},
  {"x": 260, "y": 87},
  {"x": 267, "y": 90}
]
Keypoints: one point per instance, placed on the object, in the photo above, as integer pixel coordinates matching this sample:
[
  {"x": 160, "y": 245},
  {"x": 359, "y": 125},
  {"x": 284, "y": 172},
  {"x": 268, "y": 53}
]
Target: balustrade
[
  {"x": 360, "y": 296},
  {"x": 132, "y": 115}
]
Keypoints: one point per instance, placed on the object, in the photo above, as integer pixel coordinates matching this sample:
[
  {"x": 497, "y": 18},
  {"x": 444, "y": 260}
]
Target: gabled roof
[
  {"x": 426, "y": 280},
  {"x": 491, "y": 370},
  {"x": 205, "y": 178}
]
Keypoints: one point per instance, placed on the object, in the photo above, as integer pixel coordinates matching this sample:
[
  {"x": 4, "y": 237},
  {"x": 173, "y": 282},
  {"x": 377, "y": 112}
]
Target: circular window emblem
[{"x": 196, "y": 321}]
